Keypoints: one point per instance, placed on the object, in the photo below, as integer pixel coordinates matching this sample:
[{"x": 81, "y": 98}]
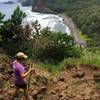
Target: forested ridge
[{"x": 85, "y": 14}]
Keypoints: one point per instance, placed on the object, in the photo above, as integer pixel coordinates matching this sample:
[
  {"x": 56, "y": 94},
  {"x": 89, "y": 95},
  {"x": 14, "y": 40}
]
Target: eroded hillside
[{"x": 72, "y": 83}]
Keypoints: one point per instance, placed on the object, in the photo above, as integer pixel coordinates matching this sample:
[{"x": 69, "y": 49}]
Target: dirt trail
[{"x": 75, "y": 83}]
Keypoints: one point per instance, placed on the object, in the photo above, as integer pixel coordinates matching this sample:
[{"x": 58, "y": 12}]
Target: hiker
[{"x": 20, "y": 73}]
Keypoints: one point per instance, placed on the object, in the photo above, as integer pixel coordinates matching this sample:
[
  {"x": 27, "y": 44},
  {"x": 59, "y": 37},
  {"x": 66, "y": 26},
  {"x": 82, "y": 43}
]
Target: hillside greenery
[
  {"x": 85, "y": 14},
  {"x": 41, "y": 44}
]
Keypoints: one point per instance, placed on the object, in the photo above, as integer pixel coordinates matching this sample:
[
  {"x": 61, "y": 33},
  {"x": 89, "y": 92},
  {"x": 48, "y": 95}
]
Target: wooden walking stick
[{"x": 29, "y": 79}]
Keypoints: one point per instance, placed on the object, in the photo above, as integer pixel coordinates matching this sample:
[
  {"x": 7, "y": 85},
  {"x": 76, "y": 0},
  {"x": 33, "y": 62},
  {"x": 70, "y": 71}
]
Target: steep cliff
[{"x": 39, "y": 6}]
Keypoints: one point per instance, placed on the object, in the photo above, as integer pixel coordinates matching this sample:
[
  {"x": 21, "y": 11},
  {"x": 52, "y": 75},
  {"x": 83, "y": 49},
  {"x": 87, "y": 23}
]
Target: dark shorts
[{"x": 23, "y": 85}]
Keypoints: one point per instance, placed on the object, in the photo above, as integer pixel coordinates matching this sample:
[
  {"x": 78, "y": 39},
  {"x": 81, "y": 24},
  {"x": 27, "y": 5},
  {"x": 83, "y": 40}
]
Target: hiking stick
[{"x": 29, "y": 80}]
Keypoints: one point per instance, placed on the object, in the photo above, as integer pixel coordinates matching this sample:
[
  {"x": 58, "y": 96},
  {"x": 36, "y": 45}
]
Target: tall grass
[
  {"x": 87, "y": 58},
  {"x": 54, "y": 69}
]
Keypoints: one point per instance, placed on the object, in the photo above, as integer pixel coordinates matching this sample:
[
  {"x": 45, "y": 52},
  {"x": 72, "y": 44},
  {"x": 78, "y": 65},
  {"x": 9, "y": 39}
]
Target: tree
[
  {"x": 84, "y": 13},
  {"x": 17, "y": 16},
  {"x": 51, "y": 46},
  {"x": 12, "y": 28},
  {"x": 1, "y": 17},
  {"x": 12, "y": 32}
]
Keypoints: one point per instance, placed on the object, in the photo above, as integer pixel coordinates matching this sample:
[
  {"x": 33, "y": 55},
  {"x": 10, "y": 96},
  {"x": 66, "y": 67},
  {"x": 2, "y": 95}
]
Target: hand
[{"x": 32, "y": 70}]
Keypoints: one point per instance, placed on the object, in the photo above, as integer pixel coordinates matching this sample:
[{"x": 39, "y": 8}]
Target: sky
[{"x": 6, "y": 0}]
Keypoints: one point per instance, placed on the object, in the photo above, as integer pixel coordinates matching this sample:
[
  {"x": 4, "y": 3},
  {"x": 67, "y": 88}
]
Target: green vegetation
[
  {"x": 88, "y": 58},
  {"x": 11, "y": 32},
  {"x": 41, "y": 44},
  {"x": 52, "y": 68},
  {"x": 1, "y": 17},
  {"x": 85, "y": 14},
  {"x": 51, "y": 50}
]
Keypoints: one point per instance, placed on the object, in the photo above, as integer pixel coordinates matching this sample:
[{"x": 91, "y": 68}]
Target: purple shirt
[{"x": 18, "y": 69}]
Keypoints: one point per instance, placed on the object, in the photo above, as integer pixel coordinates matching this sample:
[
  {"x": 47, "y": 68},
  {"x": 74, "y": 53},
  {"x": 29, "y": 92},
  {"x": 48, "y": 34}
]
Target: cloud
[{"x": 6, "y": 0}]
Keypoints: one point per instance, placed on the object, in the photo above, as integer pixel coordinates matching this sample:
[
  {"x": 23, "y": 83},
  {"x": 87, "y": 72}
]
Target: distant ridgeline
[
  {"x": 85, "y": 14},
  {"x": 26, "y": 2},
  {"x": 39, "y": 6}
]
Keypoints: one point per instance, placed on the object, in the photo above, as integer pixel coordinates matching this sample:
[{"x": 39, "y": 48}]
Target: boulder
[{"x": 79, "y": 74}]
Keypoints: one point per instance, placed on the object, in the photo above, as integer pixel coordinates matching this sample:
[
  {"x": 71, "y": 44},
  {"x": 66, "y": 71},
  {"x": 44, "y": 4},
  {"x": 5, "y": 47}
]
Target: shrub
[
  {"x": 1, "y": 17},
  {"x": 42, "y": 44},
  {"x": 12, "y": 32},
  {"x": 11, "y": 28},
  {"x": 52, "y": 46}
]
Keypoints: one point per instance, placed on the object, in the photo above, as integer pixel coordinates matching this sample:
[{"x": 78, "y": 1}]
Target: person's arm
[{"x": 26, "y": 73}]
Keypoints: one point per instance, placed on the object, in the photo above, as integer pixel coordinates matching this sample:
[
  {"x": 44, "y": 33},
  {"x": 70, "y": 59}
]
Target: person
[{"x": 19, "y": 73}]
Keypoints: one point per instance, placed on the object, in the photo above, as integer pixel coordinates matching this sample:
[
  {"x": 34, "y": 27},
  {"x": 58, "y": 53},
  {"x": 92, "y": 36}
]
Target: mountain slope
[
  {"x": 85, "y": 14},
  {"x": 73, "y": 83}
]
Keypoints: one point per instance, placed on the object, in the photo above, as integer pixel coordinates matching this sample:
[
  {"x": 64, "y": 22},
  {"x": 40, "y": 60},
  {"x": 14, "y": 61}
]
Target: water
[{"x": 54, "y": 22}]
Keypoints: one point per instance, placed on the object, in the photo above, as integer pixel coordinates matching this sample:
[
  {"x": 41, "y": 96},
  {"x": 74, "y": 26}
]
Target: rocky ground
[{"x": 72, "y": 83}]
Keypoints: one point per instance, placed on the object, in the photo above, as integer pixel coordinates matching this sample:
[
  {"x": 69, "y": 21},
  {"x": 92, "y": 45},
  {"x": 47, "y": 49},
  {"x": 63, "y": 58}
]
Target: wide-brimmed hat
[{"x": 21, "y": 55}]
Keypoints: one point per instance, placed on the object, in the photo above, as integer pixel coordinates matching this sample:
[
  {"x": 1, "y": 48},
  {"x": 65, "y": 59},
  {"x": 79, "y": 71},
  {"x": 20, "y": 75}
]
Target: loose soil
[{"x": 72, "y": 83}]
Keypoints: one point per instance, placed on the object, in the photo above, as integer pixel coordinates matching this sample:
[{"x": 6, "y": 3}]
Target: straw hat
[{"x": 21, "y": 55}]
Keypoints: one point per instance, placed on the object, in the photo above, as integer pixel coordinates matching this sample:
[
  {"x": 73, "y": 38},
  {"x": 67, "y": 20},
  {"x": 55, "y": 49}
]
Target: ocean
[{"x": 54, "y": 22}]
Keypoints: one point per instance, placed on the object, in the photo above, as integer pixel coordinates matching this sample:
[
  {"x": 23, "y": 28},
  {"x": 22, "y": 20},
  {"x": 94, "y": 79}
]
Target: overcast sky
[{"x": 6, "y": 0}]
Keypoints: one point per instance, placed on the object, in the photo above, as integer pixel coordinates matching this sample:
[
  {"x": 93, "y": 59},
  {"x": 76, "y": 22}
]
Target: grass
[
  {"x": 87, "y": 58},
  {"x": 98, "y": 85},
  {"x": 54, "y": 69}
]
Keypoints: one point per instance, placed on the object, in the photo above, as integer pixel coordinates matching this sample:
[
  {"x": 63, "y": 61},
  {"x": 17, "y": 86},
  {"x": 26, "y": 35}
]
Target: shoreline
[{"x": 68, "y": 21}]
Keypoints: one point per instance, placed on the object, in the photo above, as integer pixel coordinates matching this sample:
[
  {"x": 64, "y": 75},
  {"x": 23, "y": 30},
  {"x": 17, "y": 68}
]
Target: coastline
[{"x": 74, "y": 32}]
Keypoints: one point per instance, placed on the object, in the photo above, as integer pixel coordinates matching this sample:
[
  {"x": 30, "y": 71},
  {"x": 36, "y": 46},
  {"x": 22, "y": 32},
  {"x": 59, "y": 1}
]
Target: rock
[
  {"x": 96, "y": 77},
  {"x": 79, "y": 74},
  {"x": 88, "y": 90},
  {"x": 39, "y": 97},
  {"x": 87, "y": 97},
  {"x": 53, "y": 92},
  {"x": 82, "y": 93},
  {"x": 34, "y": 93},
  {"x": 63, "y": 76},
  {"x": 42, "y": 89},
  {"x": 1, "y": 90},
  {"x": 5, "y": 94},
  {"x": 1, "y": 97},
  {"x": 38, "y": 91},
  {"x": 95, "y": 96},
  {"x": 30, "y": 98},
  {"x": 11, "y": 92},
  {"x": 12, "y": 85},
  {"x": 1, "y": 77},
  {"x": 64, "y": 98},
  {"x": 5, "y": 90},
  {"x": 69, "y": 67},
  {"x": 61, "y": 79},
  {"x": 40, "y": 7},
  {"x": 41, "y": 80},
  {"x": 62, "y": 94},
  {"x": 54, "y": 80},
  {"x": 53, "y": 97},
  {"x": 79, "y": 97}
]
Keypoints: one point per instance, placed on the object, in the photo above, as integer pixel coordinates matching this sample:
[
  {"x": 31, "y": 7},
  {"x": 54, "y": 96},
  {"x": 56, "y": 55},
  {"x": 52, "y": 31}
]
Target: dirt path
[{"x": 75, "y": 83}]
